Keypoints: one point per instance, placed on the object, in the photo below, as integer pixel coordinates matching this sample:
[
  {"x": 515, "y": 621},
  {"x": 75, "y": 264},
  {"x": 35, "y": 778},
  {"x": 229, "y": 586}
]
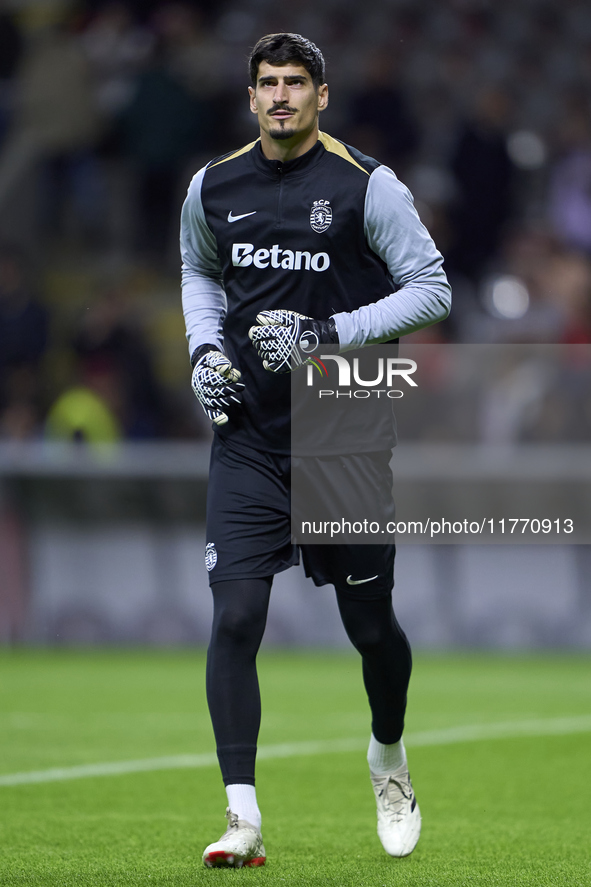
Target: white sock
[
  {"x": 242, "y": 800},
  {"x": 385, "y": 759}
]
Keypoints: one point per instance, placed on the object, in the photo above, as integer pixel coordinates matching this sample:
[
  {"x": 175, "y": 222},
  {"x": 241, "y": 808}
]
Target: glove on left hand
[
  {"x": 216, "y": 383},
  {"x": 285, "y": 340}
]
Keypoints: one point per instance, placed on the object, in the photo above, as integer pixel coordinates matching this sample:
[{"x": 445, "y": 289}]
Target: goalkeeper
[{"x": 293, "y": 242}]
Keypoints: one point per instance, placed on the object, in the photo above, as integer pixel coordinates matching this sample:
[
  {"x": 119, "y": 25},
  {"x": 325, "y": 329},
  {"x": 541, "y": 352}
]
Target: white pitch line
[{"x": 444, "y": 736}]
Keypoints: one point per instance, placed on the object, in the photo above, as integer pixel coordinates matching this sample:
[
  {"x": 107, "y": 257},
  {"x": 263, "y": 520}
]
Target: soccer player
[{"x": 294, "y": 241}]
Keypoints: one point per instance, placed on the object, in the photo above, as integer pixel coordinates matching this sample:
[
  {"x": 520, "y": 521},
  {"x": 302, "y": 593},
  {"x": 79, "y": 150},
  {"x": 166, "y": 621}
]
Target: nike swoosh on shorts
[
  {"x": 351, "y": 581},
  {"x": 232, "y": 218}
]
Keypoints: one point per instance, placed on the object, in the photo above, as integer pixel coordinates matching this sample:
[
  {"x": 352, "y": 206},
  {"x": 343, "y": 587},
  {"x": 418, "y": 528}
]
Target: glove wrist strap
[
  {"x": 200, "y": 351},
  {"x": 332, "y": 332}
]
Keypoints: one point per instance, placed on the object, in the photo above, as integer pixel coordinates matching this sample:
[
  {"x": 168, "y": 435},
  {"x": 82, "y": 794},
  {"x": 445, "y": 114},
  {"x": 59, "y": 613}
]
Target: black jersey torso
[{"x": 289, "y": 235}]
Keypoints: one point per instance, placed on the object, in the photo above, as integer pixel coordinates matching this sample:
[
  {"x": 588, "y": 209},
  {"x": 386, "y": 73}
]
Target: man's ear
[
  {"x": 253, "y": 100},
  {"x": 322, "y": 96}
]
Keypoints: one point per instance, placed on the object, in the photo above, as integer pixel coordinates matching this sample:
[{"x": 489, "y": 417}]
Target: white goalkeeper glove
[
  {"x": 215, "y": 382},
  {"x": 285, "y": 340}
]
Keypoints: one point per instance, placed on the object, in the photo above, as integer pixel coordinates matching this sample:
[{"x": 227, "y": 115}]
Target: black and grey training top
[{"x": 332, "y": 233}]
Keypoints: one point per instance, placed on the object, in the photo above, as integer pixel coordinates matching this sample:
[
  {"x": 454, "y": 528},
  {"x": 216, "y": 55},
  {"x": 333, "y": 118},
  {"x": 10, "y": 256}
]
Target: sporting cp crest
[
  {"x": 211, "y": 556},
  {"x": 320, "y": 216}
]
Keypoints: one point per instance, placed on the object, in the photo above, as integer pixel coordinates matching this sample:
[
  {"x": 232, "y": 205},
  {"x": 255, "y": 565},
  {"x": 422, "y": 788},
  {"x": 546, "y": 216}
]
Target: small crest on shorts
[
  {"x": 320, "y": 216},
  {"x": 211, "y": 556}
]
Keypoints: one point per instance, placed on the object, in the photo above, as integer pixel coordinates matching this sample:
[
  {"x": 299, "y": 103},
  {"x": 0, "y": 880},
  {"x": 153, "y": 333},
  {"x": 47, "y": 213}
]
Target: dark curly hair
[{"x": 283, "y": 48}]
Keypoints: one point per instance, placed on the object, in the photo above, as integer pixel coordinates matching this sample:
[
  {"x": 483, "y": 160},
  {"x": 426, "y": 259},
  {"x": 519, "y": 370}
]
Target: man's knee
[
  {"x": 369, "y": 638},
  {"x": 370, "y": 624},
  {"x": 238, "y": 626},
  {"x": 240, "y": 611}
]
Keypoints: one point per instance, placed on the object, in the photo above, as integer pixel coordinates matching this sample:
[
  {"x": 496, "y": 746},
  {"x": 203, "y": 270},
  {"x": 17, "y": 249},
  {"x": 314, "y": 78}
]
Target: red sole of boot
[{"x": 221, "y": 859}]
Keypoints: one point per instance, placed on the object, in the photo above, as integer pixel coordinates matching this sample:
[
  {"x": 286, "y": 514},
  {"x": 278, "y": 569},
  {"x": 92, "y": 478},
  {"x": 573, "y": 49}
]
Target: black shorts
[{"x": 249, "y": 529}]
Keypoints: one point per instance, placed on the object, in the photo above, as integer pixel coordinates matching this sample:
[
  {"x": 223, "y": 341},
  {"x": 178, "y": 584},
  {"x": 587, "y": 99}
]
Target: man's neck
[{"x": 287, "y": 149}]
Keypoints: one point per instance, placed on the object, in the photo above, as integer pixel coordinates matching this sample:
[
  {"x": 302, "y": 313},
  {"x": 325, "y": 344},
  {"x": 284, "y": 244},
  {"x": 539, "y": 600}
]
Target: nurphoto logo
[{"x": 386, "y": 371}]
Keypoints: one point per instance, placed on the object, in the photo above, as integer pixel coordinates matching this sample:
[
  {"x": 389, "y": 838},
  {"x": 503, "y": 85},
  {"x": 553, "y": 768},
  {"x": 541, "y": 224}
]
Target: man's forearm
[
  {"x": 410, "y": 309},
  {"x": 204, "y": 308}
]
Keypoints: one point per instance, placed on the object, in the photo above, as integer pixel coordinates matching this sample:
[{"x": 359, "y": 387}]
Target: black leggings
[{"x": 240, "y": 616}]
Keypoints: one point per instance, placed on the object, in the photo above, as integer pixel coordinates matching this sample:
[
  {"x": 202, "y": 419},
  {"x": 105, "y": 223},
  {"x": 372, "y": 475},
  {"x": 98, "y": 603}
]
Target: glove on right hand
[
  {"x": 285, "y": 340},
  {"x": 216, "y": 385}
]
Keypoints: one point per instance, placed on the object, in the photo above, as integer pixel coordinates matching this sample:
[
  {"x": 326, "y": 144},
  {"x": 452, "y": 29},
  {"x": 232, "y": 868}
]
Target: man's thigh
[
  {"x": 344, "y": 499},
  {"x": 248, "y": 523}
]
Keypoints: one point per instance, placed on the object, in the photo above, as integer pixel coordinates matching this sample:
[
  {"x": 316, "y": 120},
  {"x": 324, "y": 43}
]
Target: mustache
[{"x": 282, "y": 108}]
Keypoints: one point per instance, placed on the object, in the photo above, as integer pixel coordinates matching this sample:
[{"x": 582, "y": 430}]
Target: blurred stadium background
[{"x": 106, "y": 110}]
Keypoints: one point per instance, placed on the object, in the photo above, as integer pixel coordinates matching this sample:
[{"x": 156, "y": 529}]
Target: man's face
[{"x": 285, "y": 101}]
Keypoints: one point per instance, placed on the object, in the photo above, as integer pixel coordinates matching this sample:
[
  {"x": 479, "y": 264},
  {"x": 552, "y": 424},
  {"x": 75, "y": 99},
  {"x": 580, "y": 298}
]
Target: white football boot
[
  {"x": 399, "y": 817},
  {"x": 241, "y": 844}
]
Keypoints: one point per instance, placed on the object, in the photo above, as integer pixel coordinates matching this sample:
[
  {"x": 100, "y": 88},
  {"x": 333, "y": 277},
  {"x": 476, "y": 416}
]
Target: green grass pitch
[{"x": 508, "y": 810}]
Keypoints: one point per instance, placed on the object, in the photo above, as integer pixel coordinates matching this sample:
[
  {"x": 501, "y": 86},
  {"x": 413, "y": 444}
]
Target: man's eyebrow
[{"x": 268, "y": 78}]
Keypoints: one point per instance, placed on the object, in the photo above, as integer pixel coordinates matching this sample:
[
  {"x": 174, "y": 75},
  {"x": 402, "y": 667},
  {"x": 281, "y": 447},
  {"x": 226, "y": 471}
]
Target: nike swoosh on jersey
[
  {"x": 232, "y": 218},
  {"x": 351, "y": 581}
]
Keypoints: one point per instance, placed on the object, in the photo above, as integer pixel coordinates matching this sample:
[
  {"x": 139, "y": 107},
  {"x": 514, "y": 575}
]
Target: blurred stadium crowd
[{"x": 483, "y": 107}]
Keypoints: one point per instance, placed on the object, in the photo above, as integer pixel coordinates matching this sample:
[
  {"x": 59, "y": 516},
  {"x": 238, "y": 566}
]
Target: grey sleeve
[
  {"x": 396, "y": 234},
  {"x": 204, "y": 298}
]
